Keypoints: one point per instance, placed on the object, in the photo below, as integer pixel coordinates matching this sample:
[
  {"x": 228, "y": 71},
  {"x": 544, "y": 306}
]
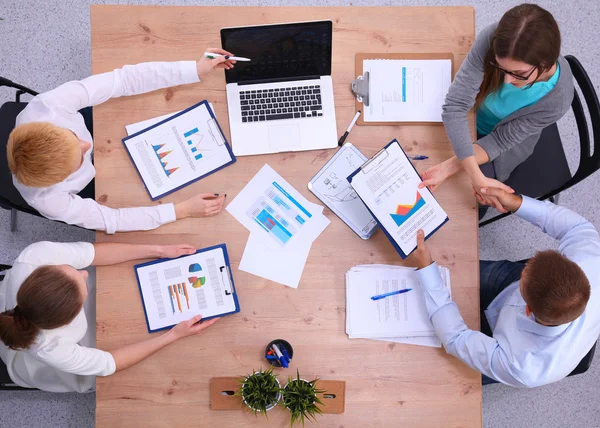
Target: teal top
[{"x": 508, "y": 99}]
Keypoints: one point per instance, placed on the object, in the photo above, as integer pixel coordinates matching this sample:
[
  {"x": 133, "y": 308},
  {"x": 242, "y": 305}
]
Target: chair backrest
[{"x": 588, "y": 163}]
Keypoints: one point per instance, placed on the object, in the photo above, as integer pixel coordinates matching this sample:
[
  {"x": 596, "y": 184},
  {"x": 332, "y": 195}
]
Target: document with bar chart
[
  {"x": 175, "y": 290},
  {"x": 388, "y": 185},
  {"x": 280, "y": 216},
  {"x": 179, "y": 150}
]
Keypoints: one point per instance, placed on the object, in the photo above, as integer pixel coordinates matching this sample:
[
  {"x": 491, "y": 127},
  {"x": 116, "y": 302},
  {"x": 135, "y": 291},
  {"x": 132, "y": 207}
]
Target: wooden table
[{"x": 388, "y": 385}]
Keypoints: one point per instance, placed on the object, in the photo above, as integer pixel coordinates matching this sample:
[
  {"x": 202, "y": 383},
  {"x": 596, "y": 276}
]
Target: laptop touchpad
[{"x": 284, "y": 138}]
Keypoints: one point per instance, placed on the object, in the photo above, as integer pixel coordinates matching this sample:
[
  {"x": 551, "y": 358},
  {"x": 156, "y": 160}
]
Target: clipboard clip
[
  {"x": 360, "y": 88},
  {"x": 365, "y": 167},
  {"x": 226, "y": 279}
]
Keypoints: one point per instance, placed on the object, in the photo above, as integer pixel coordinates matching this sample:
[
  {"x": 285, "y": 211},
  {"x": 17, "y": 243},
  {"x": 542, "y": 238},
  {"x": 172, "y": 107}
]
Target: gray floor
[{"x": 47, "y": 43}]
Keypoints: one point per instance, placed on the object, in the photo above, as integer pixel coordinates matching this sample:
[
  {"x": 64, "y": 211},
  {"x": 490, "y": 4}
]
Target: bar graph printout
[
  {"x": 179, "y": 150},
  {"x": 175, "y": 290}
]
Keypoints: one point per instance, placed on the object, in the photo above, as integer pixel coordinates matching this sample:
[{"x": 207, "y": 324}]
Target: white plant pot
[
  {"x": 269, "y": 407},
  {"x": 288, "y": 384}
]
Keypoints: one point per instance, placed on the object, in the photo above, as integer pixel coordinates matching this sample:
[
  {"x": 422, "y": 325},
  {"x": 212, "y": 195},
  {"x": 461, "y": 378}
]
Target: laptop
[{"x": 282, "y": 100}]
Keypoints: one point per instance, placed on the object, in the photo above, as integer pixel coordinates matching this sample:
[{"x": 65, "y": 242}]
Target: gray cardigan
[{"x": 514, "y": 138}]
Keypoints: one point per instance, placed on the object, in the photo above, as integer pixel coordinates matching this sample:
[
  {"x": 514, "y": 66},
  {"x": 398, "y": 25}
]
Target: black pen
[{"x": 343, "y": 137}]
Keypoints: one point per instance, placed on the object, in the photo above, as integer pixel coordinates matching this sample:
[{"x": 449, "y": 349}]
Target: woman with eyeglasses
[{"x": 519, "y": 84}]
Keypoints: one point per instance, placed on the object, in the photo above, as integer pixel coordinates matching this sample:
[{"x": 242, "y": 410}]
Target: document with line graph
[
  {"x": 179, "y": 150},
  {"x": 388, "y": 185},
  {"x": 175, "y": 290}
]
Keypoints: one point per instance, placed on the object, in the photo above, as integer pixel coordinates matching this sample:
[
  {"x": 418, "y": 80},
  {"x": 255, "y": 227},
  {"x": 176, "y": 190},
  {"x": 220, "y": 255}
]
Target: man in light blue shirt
[{"x": 544, "y": 316}]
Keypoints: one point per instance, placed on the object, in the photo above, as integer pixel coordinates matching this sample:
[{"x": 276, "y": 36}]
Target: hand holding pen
[{"x": 219, "y": 58}]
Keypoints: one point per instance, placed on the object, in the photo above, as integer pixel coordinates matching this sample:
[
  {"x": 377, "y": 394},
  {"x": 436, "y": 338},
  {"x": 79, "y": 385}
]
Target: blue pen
[
  {"x": 419, "y": 157},
  {"x": 271, "y": 357},
  {"x": 392, "y": 293},
  {"x": 285, "y": 353},
  {"x": 282, "y": 359}
]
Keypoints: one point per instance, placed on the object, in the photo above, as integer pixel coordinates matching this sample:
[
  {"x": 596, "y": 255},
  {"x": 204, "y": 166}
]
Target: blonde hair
[{"x": 41, "y": 154}]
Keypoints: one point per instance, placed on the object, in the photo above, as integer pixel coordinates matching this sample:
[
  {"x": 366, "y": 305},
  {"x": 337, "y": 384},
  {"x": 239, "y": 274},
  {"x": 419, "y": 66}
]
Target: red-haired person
[{"x": 45, "y": 304}]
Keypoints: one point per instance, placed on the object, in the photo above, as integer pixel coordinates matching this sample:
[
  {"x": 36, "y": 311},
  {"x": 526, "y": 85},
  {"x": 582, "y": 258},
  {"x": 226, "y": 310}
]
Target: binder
[
  {"x": 223, "y": 274},
  {"x": 385, "y": 230},
  {"x": 362, "y": 84}
]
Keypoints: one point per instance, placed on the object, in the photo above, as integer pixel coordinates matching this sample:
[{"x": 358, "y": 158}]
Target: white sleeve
[
  {"x": 88, "y": 213},
  {"x": 129, "y": 80},
  {"x": 77, "y": 359},
  {"x": 76, "y": 254}
]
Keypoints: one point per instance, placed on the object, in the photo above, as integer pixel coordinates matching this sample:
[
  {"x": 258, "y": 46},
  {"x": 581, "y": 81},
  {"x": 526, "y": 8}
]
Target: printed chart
[
  {"x": 404, "y": 212},
  {"x": 180, "y": 299},
  {"x": 196, "y": 281},
  {"x": 194, "y": 142},
  {"x": 161, "y": 153}
]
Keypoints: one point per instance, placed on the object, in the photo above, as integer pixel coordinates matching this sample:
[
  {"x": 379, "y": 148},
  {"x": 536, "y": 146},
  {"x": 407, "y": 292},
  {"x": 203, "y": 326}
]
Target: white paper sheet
[
  {"x": 402, "y": 318},
  {"x": 407, "y": 90},
  {"x": 388, "y": 186},
  {"x": 181, "y": 150},
  {"x": 275, "y": 212},
  {"x": 178, "y": 289},
  {"x": 331, "y": 186},
  {"x": 284, "y": 266}
]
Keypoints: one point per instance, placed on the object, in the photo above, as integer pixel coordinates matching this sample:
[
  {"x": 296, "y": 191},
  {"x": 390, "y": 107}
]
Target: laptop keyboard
[{"x": 281, "y": 103}]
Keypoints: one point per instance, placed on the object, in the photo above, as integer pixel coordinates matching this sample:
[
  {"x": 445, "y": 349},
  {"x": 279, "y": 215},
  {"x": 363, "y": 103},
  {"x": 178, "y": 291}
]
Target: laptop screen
[{"x": 279, "y": 51}]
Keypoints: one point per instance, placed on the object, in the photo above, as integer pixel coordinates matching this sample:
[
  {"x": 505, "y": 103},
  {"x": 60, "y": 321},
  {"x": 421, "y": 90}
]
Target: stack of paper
[
  {"x": 402, "y": 318},
  {"x": 282, "y": 224}
]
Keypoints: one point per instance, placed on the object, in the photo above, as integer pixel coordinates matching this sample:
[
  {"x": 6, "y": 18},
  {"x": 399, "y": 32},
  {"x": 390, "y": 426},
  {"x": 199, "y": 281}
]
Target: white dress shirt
[
  {"x": 522, "y": 352},
  {"x": 56, "y": 362},
  {"x": 60, "y": 106}
]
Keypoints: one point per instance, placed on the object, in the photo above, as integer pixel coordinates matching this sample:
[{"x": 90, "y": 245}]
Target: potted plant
[
  {"x": 300, "y": 398},
  {"x": 260, "y": 391}
]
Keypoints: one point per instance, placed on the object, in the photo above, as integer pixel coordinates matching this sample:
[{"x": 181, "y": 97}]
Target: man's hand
[
  {"x": 434, "y": 176},
  {"x": 203, "y": 205},
  {"x": 422, "y": 255},
  {"x": 174, "y": 251},
  {"x": 205, "y": 65},
  {"x": 190, "y": 327},
  {"x": 480, "y": 181},
  {"x": 508, "y": 201}
]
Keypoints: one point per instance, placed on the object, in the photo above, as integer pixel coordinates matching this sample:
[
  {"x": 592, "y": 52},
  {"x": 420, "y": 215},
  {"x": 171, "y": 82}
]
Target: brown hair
[
  {"x": 555, "y": 288},
  {"x": 525, "y": 33},
  {"x": 47, "y": 299},
  {"x": 41, "y": 154}
]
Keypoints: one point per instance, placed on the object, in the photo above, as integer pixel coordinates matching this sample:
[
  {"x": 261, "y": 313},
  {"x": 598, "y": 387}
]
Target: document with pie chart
[
  {"x": 388, "y": 185},
  {"x": 175, "y": 290},
  {"x": 178, "y": 150}
]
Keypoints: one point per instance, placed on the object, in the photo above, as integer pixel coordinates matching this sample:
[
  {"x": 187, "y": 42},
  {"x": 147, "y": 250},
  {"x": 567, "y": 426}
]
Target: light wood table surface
[{"x": 388, "y": 385}]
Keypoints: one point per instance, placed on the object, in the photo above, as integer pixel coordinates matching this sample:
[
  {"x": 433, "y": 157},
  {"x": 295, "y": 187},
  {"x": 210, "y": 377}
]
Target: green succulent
[
  {"x": 300, "y": 397},
  {"x": 260, "y": 390}
]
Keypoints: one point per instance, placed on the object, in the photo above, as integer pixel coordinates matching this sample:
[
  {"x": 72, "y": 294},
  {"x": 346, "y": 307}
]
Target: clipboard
[
  {"x": 204, "y": 103},
  {"x": 360, "y": 86},
  {"x": 385, "y": 231},
  {"x": 331, "y": 187},
  {"x": 224, "y": 273}
]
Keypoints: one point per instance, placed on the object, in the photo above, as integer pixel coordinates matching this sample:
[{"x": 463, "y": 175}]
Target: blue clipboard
[
  {"x": 203, "y": 250},
  {"x": 389, "y": 236},
  {"x": 212, "y": 114}
]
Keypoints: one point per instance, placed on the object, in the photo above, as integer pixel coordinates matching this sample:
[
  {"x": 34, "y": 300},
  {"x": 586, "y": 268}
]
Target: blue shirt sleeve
[{"x": 477, "y": 350}]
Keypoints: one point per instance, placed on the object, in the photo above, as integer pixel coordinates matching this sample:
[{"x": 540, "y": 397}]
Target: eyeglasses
[{"x": 510, "y": 73}]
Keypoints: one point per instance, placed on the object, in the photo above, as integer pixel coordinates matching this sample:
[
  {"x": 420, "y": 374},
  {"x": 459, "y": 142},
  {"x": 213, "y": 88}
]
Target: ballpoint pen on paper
[
  {"x": 392, "y": 293},
  {"x": 343, "y": 137},
  {"x": 419, "y": 157},
  {"x": 211, "y": 55}
]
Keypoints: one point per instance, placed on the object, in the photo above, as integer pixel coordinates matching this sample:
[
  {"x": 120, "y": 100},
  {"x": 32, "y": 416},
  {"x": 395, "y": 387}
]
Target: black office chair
[
  {"x": 6, "y": 382},
  {"x": 10, "y": 198},
  {"x": 546, "y": 173}
]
